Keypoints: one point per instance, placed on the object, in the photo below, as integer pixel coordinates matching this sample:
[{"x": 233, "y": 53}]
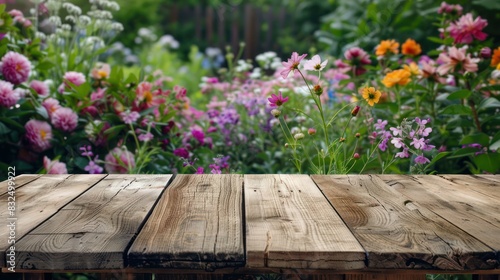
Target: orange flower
[
  {"x": 410, "y": 47},
  {"x": 387, "y": 46},
  {"x": 371, "y": 95},
  {"x": 412, "y": 68},
  {"x": 397, "y": 77},
  {"x": 495, "y": 58}
]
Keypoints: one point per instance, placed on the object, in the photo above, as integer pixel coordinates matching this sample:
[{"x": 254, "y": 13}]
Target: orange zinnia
[
  {"x": 397, "y": 77},
  {"x": 371, "y": 95},
  {"x": 387, "y": 46},
  {"x": 495, "y": 58},
  {"x": 410, "y": 47}
]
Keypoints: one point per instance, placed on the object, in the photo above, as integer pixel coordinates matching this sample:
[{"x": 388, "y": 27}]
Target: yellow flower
[
  {"x": 387, "y": 46},
  {"x": 371, "y": 95},
  {"x": 412, "y": 68},
  {"x": 410, "y": 47},
  {"x": 397, "y": 77},
  {"x": 495, "y": 58}
]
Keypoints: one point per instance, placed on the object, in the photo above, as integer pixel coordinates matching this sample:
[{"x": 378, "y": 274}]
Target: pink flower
[
  {"x": 198, "y": 135},
  {"x": 200, "y": 170},
  {"x": 422, "y": 160},
  {"x": 146, "y": 137},
  {"x": 418, "y": 143},
  {"x": 101, "y": 71},
  {"x": 455, "y": 57},
  {"x": 15, "y": 68},
  {"x": 51, "y": 105},
  {"x": 8, "y": 96},
  {"x": 465, "y": 29},
  {"x": 292, "y": 64},
  {"x": 54, "y": 167},
  {"x": 449, "y": 9},
  {"x": 181, "y": 152},
  {"x": 397, "y": 142},
  {"x": 38, "y": 135},
  {"x": 357, "y": 58},
  {"x": 93, "y": 168},
  {"x": 403, "y": 154},
  {"x": 315, "y": 64},
  {"x": 277, "y": 100},
  {"x": 40, "y": 88},
  {"x": 119, "y": 160},
  {"x": 64, "y": 119},
  {"x": 73, "y": 77},
  {"x": 98, "y": 95},
  {"x": 129, "y": 117}
]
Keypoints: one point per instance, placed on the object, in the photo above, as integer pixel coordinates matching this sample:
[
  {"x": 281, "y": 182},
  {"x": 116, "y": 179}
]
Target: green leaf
[
  {"x": 456, "y": 109},
  {"x": 4, "y": 129},
  {"x": 480, "y": 138},
  {"x": 45, "y": 65},
  {"x": 42, "y": 112},
  {"x": 436, "y": 40},
  {"x": 12, "y": 123},
  {"x": 81, "y": 162},
  {"x": 463, "y": 152},
  {"x": 488, "y": 103},
  {"x": 461, "y": 94},
  {"x": 489, "y": 162},
  {"x": 438, "y": 157}
]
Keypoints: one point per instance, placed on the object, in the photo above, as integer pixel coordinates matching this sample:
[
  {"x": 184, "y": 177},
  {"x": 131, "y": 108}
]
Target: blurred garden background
[{"x": 160, "y": 86}]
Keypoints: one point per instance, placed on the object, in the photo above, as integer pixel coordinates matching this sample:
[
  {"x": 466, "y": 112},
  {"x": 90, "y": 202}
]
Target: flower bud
[
  {"x": 275, "y": 112},
  {"x": 356, "y": 156},
  {"x": 287, "y": 145},
  {"x": 355, "y": 111},
  {"x": 298, "y": 136},
  {"x": 358, "y": 135},
  {"x": 311, "y": 131},
  {"x": 342, "y": 139},
  {"x": 485, "y": 53},
  {"x": 318, "y": 90}
]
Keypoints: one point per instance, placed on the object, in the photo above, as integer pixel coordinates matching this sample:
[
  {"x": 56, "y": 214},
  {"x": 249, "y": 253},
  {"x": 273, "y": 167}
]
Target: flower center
[
  {"x": 43, "y": 134},
  {"x": 279, "y": 103},
  {"x": 317, "y": 66},
  {"x": 148, "y": 96},
  {"x": 19, "y": 67},
  {"x": 371, "y": 96},
  {"x": 295, "y": 66}
]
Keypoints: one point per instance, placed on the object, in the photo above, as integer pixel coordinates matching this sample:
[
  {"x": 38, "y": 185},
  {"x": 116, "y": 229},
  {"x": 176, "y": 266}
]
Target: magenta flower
[
  {"x": 450, "y": 9},
  {"x": 198, "y": 135},
  {"x": 129, "y": 117},
  {"x": 64, "y": 119},
  {"x": 86, "y": 151},
  {"x": 277, "y": 100},
  {"x": 315, "y": 64},
  {"x": 357, "y": 58},
  {"x": 38, "y": 135},
  {"x": 181, "y": 152},
  {"x": 51, "y": 105},
  {"x": 54, "y": 167},
  {"x": 15, "y": 68},
  {"x": 8, "y": 96},
  {"x": 421, "y": 159},
  {"x": 98, "y": 95},
  {"x": 465, "y": 29},
  {"x": 292, "y": 64},
  {"x": 40, "y": 88},
  {"x": 119, "y": 160},
  {"x": 200, "y": 170},
  {"x": 456, "y": 57}
]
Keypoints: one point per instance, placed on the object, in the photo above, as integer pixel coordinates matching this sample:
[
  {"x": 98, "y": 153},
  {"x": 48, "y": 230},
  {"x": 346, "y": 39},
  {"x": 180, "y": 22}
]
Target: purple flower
[
  {"x": 403, "y": 154},
  {"x": 181, "y": 152},
  {"x": 380, "y": 125},
  {"x": 129, "y": 117},
  {"x": 383, "y": 145},
  {"x": 146, "y": 137},
  {"x": 397, "y": 142},
  {"x": 198, "y": 135},
  {"x": 200, "y": 170},
  {"x": 93, "y": 168},
  {"x": 418, "y": 143},
  {"x": 397, "y": 131},
  {"x": 215, "y": 169},
  {"x": 86, "y": 151},
  {"x": 422, "y": 160}
]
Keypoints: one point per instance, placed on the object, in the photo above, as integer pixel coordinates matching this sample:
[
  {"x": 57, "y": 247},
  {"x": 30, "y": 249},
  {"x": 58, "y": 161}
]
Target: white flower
[{"x": 315, "y": 64}]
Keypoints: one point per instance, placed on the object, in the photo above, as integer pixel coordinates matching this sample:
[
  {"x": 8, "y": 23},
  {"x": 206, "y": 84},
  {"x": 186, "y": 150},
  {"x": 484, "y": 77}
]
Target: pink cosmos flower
[
  {"x": 119, "y": 160},
  {"x": 277, "y": 100},
  {"x": 455, "y": 57},
  {"x": 38, "y": 135},
  {"x": 76, "y": 78},
  {"x": 54, "y": 167},
  {"x": 292, "y": 64},
  {"x": 15, "y": 68},
  {"x": 64, "y": 119},
  {"x": 8, "y": 96},
  {"x": 51, "y": 105},
  {"x": 129, "y": 117},
  {"x": 40, "y": 88},
  {"x": 465, "y": 29},
  {"x": 315, "y": 64}
]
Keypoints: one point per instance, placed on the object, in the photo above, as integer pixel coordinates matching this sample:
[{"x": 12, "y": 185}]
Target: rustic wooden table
[{"x": 341, "y": 226}]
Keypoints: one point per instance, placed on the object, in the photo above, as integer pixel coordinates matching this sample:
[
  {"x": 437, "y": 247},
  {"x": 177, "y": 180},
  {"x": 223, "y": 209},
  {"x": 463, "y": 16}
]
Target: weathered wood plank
[
  {"x": 290, "y": 224},
  {"x": 383, "y": 276},
  {"x": 94, "y": 230},
  {"x": 473, "y": 211},
  {"x": 38, "y": 200},
  {"x": 197, "y": 224},
  {"x": 479, "y": 184},
  {"x": 397, "y": 232},
  {"x": 19, "y": 181}
]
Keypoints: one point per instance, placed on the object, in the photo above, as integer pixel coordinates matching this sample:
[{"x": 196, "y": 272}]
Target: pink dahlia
[
  {"x": 38, "y": 135},
  {"x": 64, "y": 119},
  {"x": 119, "y": 160},
  {"x": 40, "y": 88},
  {"x": 456, "y": 57},
  {"x": 73, "y": 77},
  {"x": 51, "y": 105},
  {"x": 357, "y": 58},
  {"x": 15, "y": 68},
  {"x": 8, "y": 96},
  {"x": 465, "y": 29},
  {"x": 292, "y": 64},
  {"x": 54, "y": 166}
]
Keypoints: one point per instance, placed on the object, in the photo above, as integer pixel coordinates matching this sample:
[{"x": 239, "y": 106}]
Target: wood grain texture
[
  {"x": 384, "y": 277},
  {"x": 19, "y": 181},
  {"x": 397, "y": 232},
  {"x": 197, "y": 224},
  {"x": 480, "y": 184},
  {"x": 290, "y": 224},
  {"x": 94, "y": 230},
  {"x": 476, "y": 211},
  {"x": 38, "y": 200}
]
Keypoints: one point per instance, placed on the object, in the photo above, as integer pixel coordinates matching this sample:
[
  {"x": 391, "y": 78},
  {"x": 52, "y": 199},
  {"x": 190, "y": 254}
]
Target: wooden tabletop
[{"x": 259, "y": 222}]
